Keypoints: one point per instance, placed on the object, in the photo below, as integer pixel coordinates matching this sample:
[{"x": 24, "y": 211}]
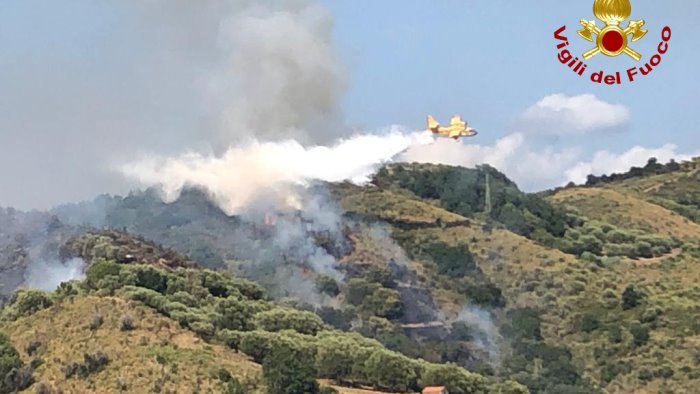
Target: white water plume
[{"x": 239, "y": 176}]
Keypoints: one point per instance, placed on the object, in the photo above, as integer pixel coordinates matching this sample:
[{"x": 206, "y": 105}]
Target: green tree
[
  {"x": 235, "y": 314},
  {"x": 453, "y": 261},
  {"x": 287, "y": 370},
  {"x": 10, "y": 363},
  {"x": 334, "y": 358},
  {"x": 391, "y": 371},
  {"x": 630, "y": 297},
  {"x": 384, "y": 302},
  {"x": 454, "y": 378},
  {"x": 207, "y": 256},
  {"x": 358, "y": 289},
  {"x": 640, "y": 334},
  {"x": 589, "y": 322},
  {"x": 100, "y": 269},
  {"x": 327, "y": 285},
  {"x": 279, "y": 319}
]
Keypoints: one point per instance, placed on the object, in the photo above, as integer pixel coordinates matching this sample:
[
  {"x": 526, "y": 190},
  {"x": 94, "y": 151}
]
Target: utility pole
[{"x": 487, "y": 203}]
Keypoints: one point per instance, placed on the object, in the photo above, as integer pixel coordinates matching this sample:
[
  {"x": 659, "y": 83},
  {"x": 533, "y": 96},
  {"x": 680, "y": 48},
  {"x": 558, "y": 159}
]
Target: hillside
[
  {"x": 175, "y": 329},
  {"x": 613, "y": 308},
  {"x": 577, "y": 290},
  {"x": 156, "y": 355}
]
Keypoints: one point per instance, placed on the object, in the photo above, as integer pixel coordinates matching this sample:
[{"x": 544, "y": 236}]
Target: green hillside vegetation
[
  {"x": 221, "y": 310},
  {"x": 625, "y": 298},
  {"x": 464, "y": 191},
  {"x": 578, "y": 290}
]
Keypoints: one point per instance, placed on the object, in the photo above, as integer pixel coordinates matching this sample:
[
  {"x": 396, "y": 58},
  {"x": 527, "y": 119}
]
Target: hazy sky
[{"x": 85, "y": 85}]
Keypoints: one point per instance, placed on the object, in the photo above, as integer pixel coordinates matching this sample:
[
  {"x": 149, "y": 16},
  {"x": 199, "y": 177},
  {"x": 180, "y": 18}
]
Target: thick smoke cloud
[{"x": 86, "y": 88}]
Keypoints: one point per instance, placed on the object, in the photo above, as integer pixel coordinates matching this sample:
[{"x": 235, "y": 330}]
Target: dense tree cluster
[
  {"x": 14, "y": 375},
  {"x": 463, "y": 191},
  {"x": 594, "y": 240},
  {"x": 295, "y": 347},
  {"x": 557, "y": 374},
  {"x": 653, "y": 167}
]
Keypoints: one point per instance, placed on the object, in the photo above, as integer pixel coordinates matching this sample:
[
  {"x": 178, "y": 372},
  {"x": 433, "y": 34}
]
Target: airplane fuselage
[{"x": 456, "y": 130}]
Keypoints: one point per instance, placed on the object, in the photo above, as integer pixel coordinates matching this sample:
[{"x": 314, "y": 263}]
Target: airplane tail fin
[{"x": 432, "y": 124}]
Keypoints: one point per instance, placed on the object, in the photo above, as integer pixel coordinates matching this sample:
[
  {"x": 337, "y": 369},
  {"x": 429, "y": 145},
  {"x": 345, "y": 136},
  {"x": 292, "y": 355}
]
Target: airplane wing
[
  {"x": 457, "y": 121},
  {"x": 454, "y": 133}
]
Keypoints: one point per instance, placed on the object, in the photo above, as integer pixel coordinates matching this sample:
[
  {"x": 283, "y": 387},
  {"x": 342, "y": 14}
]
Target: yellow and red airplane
[{"x": 457, "y": 128}]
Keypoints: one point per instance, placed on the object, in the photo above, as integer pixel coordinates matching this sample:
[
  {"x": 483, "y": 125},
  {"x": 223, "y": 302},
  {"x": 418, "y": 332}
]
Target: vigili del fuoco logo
[{"x": 611, "y": 40}]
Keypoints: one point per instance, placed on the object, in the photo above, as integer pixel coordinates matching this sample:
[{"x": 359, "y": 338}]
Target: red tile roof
[{"x": 434, "y": 390}]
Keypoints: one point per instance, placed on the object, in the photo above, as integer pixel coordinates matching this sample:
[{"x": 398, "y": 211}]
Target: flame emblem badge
[{"x": 612, "y": 40}]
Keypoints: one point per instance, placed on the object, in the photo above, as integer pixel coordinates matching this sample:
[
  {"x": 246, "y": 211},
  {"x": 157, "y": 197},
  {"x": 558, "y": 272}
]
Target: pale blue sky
[
  {"x": 490, "y": 60},
  {"x": 84, "y": 83}
]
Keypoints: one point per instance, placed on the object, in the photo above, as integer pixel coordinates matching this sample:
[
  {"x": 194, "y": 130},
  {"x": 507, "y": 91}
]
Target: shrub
[
  {"x": 453, "y": 261},
  {"x": 279, "y": 319},
  {"x": 32, "y": 347},
  {"x": 256, "y": 344},
  {"x": 508, "y": 387},
  {"x": 358, "y": 289},
  {"x": 26, "y": 302},
  {"x": 640, "y": 334},
  {"x": 149, "y": 297},
  {"x": 384, "y": 302},
  {"x": 286, "y": 370},
  {"x": 127, "y": 323},
  {"x": 391, "y": 371},
  {"x": 650, "y": 315},
  {"x": 42, "y": 388},
  {"x": 184, "y": 298},
  {"x": 485, "y": 294},
  {"x": 525, "y": 324},
  {"x": 99, "y": 269},
  {"x": 327, "y": 285},
  {"x": 235, "y": 314},
  {"x": 630, "y": 298},
  {"x": 205, "y": 330},
  {"x": 19, "y": 379},
  {"x": 455, "y": 379},
  {"x": 92, "y": 363},
  {"x": 151, "y": 278},
  {"x": 96, "y": 322},
  {"x": 589, "y": 323},
  {"x": 335, "y": 358},
  {"x": 10, "y": 363},
  {"x": 615, "y": 334}
]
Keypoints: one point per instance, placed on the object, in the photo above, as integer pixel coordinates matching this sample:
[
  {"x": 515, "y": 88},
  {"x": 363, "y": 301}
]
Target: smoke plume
[
  {"x": 272, "y": 94},
  {"x": 244, "y": 173},
  {"x": 486, "y": 335},
  {"x": 158, "y": 76},
  {"x": 47, "y": 275}
]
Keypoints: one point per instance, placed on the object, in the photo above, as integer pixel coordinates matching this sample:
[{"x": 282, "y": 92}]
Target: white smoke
[
  {"x": 486, "y": 336},
  {"x": 48, "y": 275},
  {"x": 244, "y": 173}
]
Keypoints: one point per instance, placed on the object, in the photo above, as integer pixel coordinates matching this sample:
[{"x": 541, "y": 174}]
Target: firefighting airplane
[{"x": 457, "y": 128}]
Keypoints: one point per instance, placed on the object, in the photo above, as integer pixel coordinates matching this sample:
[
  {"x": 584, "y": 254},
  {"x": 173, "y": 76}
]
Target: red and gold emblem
[{"x": 612, "y": 40}]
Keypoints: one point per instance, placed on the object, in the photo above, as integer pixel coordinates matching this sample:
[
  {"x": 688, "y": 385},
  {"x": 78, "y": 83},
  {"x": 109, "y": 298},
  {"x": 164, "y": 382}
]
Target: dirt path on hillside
[
  {"x": 424, "y": 325},
  {"x": 654, "y": 188},
  {"x": 655, "y": 260}
]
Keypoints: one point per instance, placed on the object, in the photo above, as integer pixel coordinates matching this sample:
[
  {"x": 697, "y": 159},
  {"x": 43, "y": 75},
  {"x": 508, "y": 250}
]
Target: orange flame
[{"x": 270, "y": 219}]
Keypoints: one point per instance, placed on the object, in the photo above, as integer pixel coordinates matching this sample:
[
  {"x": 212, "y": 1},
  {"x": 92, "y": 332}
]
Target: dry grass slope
[
  {"x": 393, "y": 206},
  {"x": 564, "y": 287},
  {"x": 627, "y": 211},
  {"x": 156, "y": 356},
  {"x": 186, "y": 362}
]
